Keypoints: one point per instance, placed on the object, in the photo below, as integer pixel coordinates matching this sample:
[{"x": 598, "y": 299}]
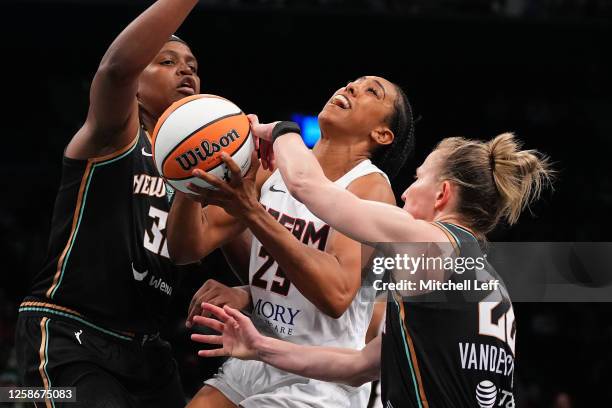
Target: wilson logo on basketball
[
  {"x": 202, "y": 147},
  {"x": 205, "y": 150}
]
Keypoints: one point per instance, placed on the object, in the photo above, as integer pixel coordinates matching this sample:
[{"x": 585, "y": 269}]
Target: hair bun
[{"x": 519, "y": 175}]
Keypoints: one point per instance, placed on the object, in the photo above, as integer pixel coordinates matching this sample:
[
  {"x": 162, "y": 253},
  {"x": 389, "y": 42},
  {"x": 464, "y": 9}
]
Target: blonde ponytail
[
  {"x": 496, "y": 179},
  {"x": 519, "y": 175}
]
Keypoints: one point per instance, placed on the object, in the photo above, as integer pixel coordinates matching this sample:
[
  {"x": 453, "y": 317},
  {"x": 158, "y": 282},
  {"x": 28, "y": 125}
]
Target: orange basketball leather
[{"x": 203, "y": 149}]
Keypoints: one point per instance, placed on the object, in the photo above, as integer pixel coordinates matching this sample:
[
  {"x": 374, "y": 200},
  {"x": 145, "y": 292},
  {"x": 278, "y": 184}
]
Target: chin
[
  {"x": 325, "y": 117},
  {"x": 414, "y": 212},
  {"x": 330, "y": 122},
  {"x": 178, "y": 96}
]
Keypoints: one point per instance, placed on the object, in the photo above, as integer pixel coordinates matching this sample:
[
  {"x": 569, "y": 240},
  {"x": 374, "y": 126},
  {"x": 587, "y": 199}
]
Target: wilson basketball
[{"x": 193, "y": 132}]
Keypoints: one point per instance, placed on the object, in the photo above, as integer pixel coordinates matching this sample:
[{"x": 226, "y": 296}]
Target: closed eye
[{"x": 372, "y": 90}]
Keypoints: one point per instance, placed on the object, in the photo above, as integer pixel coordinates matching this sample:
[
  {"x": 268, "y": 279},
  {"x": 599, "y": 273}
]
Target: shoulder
[
  {"x": 93, "y": 141},
  {"x": 373, "y": 186}
]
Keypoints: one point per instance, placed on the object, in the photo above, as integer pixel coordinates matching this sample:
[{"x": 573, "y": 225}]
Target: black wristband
[{"x": 285, "y": 127}]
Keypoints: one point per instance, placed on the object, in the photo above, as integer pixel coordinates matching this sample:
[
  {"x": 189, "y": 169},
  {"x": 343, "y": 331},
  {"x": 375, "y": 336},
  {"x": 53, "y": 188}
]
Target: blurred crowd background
[{"x": 474, "y": 68}]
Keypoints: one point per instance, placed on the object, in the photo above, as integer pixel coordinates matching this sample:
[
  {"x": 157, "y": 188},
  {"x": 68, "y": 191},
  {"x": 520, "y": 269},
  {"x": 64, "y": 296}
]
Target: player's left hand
[
  {"x": 237, "y": 196},
  {"x": 239, "y": 337}
]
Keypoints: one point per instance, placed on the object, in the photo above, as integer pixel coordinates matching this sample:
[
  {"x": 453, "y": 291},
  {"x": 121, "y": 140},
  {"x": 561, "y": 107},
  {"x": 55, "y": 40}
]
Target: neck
[
  {"x": 147, "y": 121},
  {"x": 453, "y": 219},
  {"x": 337, "y": 157}
]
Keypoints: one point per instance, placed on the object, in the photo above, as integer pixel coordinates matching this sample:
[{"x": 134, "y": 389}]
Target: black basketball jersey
[
  {"x": 107, "y": 260},
  {"x": 453, "y": 353}
]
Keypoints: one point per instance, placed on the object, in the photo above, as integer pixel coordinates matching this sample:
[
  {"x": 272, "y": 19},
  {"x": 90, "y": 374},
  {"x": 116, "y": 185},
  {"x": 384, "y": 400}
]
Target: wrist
[
  {"x": 262, "y": 347},
  {"x": 244, "y": 296},
  {"x": 252, "y": 213},
  {"x": 284, "y": 127},
  {"x": 243, "y": 207},
  {"x": 269, "y": 129}
]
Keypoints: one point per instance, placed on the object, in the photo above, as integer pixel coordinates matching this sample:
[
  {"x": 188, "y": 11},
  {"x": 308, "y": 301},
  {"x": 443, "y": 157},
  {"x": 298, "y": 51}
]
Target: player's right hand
[
  {"x": 217, "y": 294},
  {"x": 262, "y": 136},
  {"x": 238, "y": 338}
]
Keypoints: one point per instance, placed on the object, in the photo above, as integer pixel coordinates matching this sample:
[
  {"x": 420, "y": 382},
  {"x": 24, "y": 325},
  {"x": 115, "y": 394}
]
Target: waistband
[{"x": 38, "y": 307}]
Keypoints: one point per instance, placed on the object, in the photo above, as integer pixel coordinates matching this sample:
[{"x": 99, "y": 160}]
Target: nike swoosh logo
[
  {"x": 144, "y": 153},
  {"x": 139, "y": 276},
  {"x": 274, "y": 190}
]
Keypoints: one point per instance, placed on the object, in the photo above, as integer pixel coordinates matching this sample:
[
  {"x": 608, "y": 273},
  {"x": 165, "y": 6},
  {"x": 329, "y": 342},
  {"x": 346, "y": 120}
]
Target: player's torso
[
  {"x": 450, "y": 354},
  {"x": 108, "y": 256},
  {"x": 278, "y": 306}
]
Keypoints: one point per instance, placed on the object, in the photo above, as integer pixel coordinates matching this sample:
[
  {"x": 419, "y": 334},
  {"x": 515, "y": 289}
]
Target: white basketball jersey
[{"x": 278, "y": 306}]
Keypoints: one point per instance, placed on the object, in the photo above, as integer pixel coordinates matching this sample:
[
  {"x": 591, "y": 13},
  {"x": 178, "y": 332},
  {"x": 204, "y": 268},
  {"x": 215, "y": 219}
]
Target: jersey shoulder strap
[
  {"x": 362, "y": 169},
  {"x": 456, "y": 234}
]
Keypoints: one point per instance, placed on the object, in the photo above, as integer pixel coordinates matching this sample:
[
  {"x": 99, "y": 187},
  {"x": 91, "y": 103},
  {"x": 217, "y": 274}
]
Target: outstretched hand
[{"x": 238, "y": 337}]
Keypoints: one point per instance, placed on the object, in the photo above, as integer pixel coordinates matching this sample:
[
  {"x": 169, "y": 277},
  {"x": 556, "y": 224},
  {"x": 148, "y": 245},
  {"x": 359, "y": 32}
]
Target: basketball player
[
  {"x": 433, "y": 353},
  {"x": 304, "y": 278},
  {"x": 93, "y": 314}
]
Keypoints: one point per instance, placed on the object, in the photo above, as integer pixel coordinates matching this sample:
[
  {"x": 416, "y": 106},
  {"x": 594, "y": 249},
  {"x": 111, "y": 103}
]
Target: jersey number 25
[{"x": 280, "y": 286}]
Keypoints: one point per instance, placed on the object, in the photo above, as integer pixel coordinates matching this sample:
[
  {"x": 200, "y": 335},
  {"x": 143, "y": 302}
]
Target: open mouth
[
  {"x": 340, "y": 101},
  {"x": 187, "y": 86}
]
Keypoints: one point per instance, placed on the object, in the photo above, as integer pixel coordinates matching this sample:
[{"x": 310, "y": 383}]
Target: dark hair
[
  {"x": 391, "y": 158},
  {"x": 176, "y": 38}
]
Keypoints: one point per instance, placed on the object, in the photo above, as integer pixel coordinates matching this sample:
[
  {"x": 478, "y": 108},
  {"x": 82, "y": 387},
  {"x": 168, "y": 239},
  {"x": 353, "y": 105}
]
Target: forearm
[
  {"x": 140, "y": 41},
  {"x": 299, "y": 167},
  {"x": 194, "y": 232},
  {"x": 336, "y": 206},
  {"x": 313, "y": 272},
  {"x": 348, "y": 365},
  {"x": 185, "y": 230}
]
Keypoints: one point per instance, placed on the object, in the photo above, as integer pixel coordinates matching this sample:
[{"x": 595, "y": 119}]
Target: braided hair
[{"x": 391, "y": 158}]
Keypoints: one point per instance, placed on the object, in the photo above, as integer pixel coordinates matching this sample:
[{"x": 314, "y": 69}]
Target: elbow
[
  {"x": 357, "y": 381},
  {"x": 336, "y": 305},
  {"x": 179, "y": 257},
  {"x": 113, "y": 70},
  {"x": 363, "y": 377},
  {"x": 365, "y": 374},
  {"x": 183, "y": 254},
  {"x": 183, "y": 258}
]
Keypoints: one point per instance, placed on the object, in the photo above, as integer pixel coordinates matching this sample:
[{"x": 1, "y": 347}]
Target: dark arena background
[{"x": 475, "y": 68}]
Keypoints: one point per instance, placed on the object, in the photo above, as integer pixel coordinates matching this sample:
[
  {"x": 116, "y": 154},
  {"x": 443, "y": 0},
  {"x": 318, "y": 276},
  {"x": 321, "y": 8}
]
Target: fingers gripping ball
[{"x": 193, "y": 132}]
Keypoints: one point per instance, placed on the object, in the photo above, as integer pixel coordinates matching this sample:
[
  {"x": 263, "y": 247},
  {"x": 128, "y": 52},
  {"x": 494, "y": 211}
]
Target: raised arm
[
  {"x": 112, "y": 120},
  {"x": 363, "y": 220},
  {"x": 240, "y": 339}
]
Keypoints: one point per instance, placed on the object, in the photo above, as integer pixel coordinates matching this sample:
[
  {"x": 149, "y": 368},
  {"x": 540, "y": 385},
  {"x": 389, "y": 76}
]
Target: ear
[
  {"x": 443, "y": 196},
  {"x": 382, "y": 136}
]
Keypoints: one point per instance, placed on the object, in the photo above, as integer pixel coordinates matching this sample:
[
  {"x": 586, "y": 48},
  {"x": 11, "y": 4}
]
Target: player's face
[
  {"x": 172, "y": 75},
  {"x": 420, "y": 198},
  {"x": 361, "y": 106}
]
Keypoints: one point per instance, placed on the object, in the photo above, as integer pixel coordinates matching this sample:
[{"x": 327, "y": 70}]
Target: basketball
[{"x": 193, "y": 132}]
